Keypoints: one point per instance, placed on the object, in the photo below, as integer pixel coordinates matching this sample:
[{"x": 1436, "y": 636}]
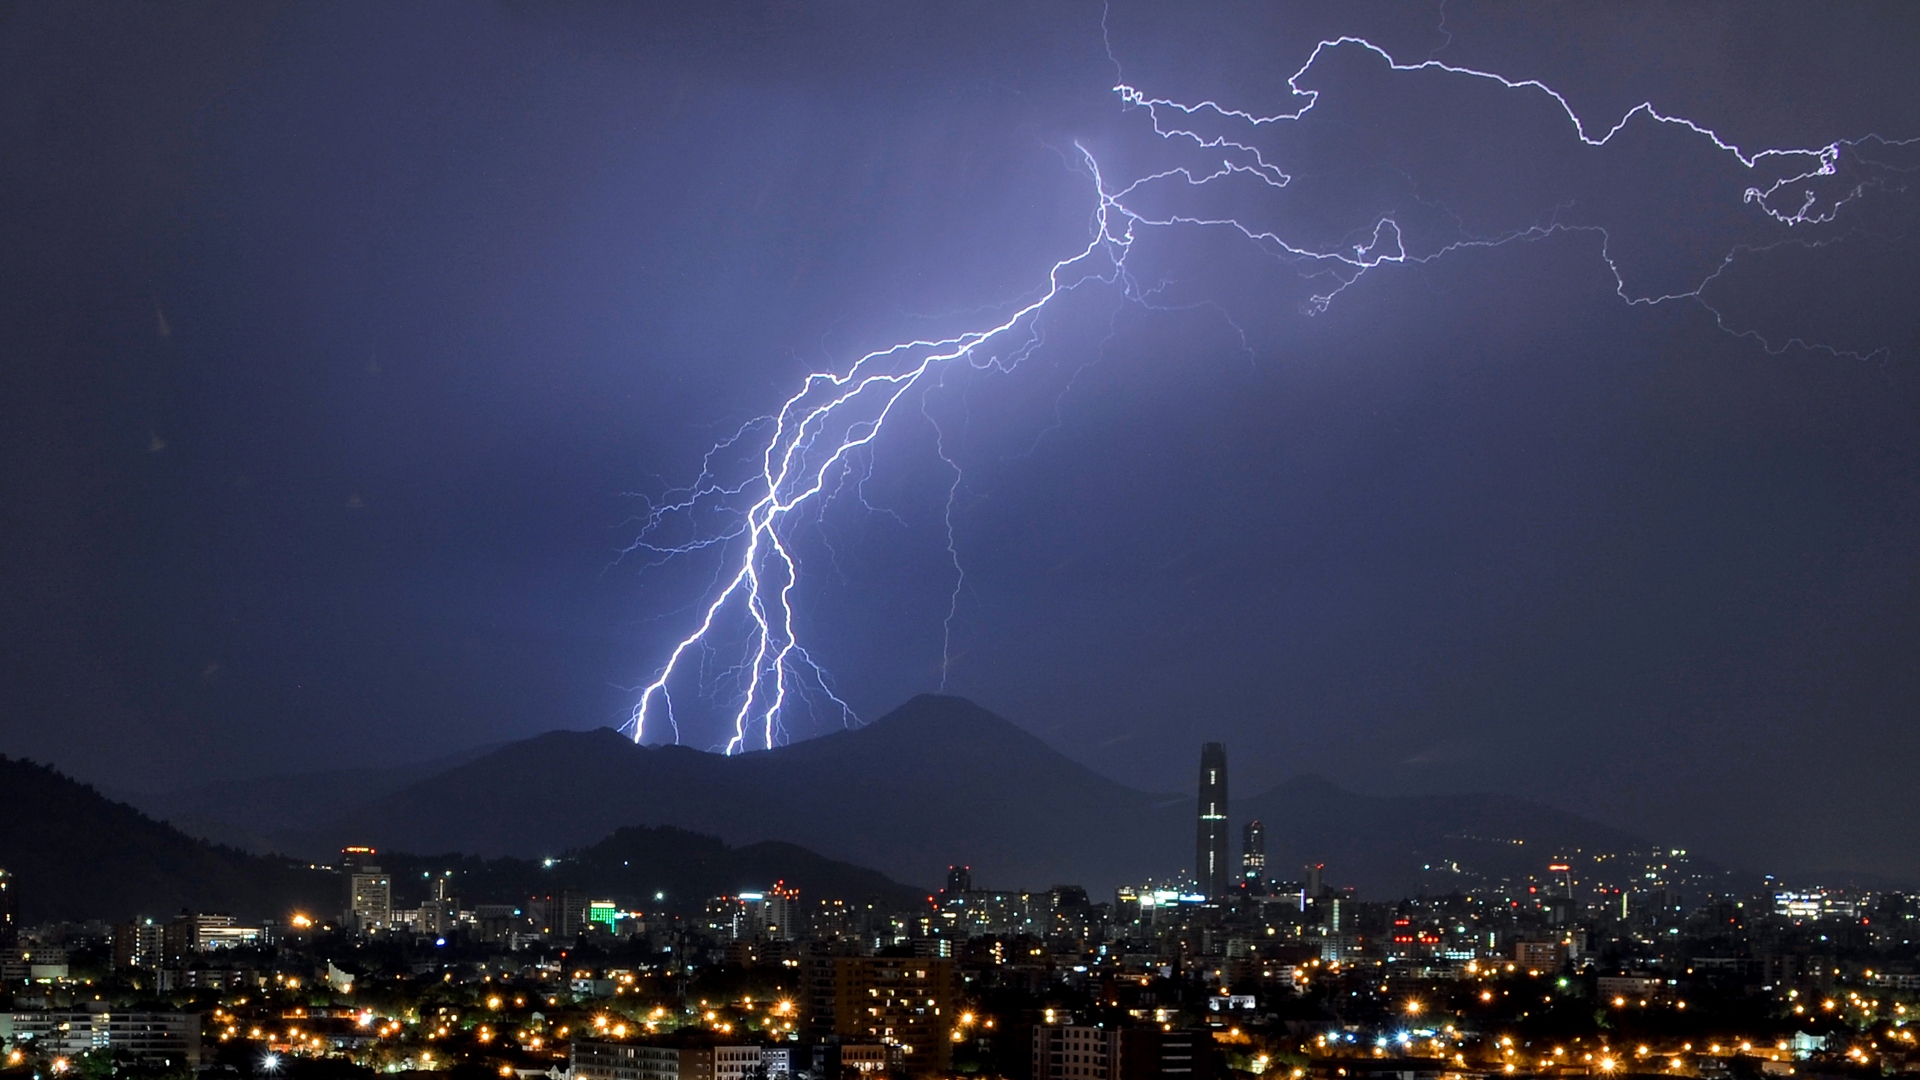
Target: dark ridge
[
  {"x": 937, "y": 781},
  {"x": 243, "y": 813},
  {"x": 78, "y": 855},
  {"x": 635, "y": 865}
]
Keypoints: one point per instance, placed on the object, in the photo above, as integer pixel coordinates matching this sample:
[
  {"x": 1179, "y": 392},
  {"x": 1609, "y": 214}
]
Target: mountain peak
[{"x": 947, "y": 714}]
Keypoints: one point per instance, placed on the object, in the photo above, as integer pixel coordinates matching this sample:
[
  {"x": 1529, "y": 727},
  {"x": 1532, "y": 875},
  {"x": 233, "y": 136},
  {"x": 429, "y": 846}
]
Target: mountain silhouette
[
  {"x": 937, "y": 781},
  {"x": 242, "y": 813},
  {"x": 652, "y": 867},
  {"x": 75, "y": 855}
]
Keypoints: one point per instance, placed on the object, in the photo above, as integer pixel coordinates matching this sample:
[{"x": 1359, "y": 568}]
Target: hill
[
  {"x": 79, "y": 855},
  {"x": 243, "y": 813},
  {"x": 937, "y": 781}
]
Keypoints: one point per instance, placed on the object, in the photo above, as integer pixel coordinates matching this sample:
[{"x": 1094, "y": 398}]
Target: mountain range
[
  {"x": 939, "y": 781},
  {"x": 245, "y": 813}
]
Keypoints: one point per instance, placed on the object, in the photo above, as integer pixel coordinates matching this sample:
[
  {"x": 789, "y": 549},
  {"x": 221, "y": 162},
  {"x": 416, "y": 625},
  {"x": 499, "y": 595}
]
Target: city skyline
[{"x": 901, "y": 540}]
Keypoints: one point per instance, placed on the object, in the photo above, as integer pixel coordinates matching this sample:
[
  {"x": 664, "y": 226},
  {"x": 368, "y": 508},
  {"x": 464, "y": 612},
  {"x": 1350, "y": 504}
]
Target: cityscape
[
  {"x": 1599, "y": 963},
  {"x": 931, "y": 540}
]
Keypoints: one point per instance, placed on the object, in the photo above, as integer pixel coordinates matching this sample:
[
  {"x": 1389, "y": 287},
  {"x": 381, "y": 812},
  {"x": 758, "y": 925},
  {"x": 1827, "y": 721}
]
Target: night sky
[{"x": 345, "y": 342}]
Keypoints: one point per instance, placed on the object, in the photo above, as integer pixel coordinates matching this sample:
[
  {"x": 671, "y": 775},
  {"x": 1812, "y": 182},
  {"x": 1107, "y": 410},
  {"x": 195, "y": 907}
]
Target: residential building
[
  {"x": 595, "y": 1059},
  {"x": 783, "y": 913},
  {"x": 1539, "y": 955},
  {"x": 908, "y": 1002},
  {"x": 139, "y": 944},
  {"x": 1068, "y": 1052}
]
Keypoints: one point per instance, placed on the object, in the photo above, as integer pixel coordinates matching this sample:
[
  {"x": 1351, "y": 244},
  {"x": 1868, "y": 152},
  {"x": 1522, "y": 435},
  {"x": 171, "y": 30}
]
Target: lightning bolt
[{"x": 806, "y": 448}]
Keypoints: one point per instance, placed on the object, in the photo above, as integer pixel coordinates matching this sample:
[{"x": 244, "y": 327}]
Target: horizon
[{"x": 154, "y": 803}]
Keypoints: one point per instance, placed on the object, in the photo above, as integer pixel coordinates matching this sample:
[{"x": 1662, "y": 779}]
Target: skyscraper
[
  {"x": 1210, "y": 848},
  {"x": 7, "y": 930},
  {"x": 1253, "y": 858}
]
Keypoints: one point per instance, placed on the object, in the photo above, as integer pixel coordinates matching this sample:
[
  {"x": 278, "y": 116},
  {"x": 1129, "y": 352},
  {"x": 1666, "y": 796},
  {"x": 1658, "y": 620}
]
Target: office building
[
  {"x": 1150, "y": 1053},
  {"x": 959, "y": 880},
  {"x": 604, "y": 914},
  {"x": 570, "y": 916},
  {"x": 162, "y": 1039},
  {"x": 1210, "y": 847},
  {"x": 441, "y": 912},
  {"x": 1253, "y": 858},
  {"x": 1314, "y": 880},
  {"x": 188, "y": 935},
  {"x": 738, "y": 1063},
  {"x": 369, "y": 891},
  {"x": 33, "y": 963}
]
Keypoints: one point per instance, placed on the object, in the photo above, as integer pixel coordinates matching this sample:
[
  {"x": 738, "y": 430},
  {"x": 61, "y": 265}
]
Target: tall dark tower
[
  {"x": 1253, "y": 858},
  {"x": 1210, "y": 849},
  {"x": 959, "y": 880}
]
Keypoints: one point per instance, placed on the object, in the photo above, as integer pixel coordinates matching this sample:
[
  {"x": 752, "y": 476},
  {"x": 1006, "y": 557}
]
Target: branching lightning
[{"x": 805, "y": 449}]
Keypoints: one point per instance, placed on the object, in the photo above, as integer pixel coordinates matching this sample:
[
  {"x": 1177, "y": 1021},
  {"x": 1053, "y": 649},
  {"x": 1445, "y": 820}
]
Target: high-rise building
[
  {"x": 8, "y": 934},
  {"x": 959, "y": 880},
  {"x": 139, "y": 944},
  {"x": 1210, "y": 848},
  {"x": 1315, "y": 880},
  {"x": 1253, "y": 858},
  {"x": 369, "y": 891},
  {"x": 573, "y": 913},
  {"x": 783, "y": 913}
]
